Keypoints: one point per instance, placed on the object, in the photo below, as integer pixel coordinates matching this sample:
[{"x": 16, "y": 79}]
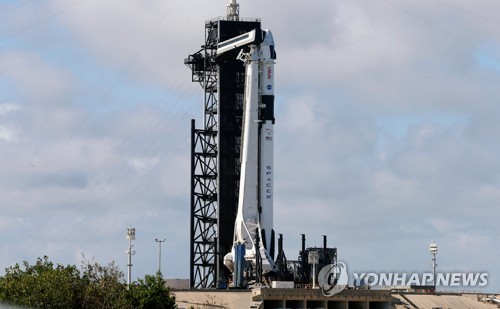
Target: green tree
[
  {"x": 151, "y": 293},
  {"x": 103, "y": 286},
  {"x": 42, "y": 285},
  {"x": 45, "y": 285}
]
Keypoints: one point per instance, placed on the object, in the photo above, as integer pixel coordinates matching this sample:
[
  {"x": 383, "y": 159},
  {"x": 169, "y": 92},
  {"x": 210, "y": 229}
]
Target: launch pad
[
  {"x": 232, "y": 235},
  {"x": 283, "y": 298}
]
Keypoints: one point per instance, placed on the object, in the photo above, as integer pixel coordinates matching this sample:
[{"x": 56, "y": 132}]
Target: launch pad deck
[
  {"x": 312, "y": 298},
  {"x": 283, "y": 298}
]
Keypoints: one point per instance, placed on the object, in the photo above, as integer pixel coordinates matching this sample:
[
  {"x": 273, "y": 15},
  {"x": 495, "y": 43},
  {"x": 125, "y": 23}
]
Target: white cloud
[
  {"x": 7, "y": 108},
  {"x": 8, "y": 134},
  {"x": 34, "y": 78},
  {"x": 143, "y": 166}
]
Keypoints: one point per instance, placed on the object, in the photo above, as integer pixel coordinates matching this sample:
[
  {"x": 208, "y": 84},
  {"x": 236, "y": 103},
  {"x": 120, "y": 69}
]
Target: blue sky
[{"x": 386, "y": 133}]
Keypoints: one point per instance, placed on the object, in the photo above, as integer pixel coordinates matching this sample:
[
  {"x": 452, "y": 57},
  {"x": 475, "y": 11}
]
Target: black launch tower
[{"x": 215, "y": 151}]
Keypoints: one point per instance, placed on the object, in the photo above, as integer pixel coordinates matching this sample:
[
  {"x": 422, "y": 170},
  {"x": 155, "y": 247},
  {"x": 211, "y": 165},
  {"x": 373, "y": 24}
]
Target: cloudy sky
[{"x": 387, "y": 132}]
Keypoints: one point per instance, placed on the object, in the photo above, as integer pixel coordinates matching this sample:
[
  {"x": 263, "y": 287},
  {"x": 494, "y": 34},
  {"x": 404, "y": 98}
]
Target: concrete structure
[
  {"x": 283, "y": 298},
  {"x": 178, "y": 284},
  {"x": 347, "y": 299},
  {"x": 423, "y": 301},
  {"x": 213, "y": 299},
  {"x": 304, "y": 298}
]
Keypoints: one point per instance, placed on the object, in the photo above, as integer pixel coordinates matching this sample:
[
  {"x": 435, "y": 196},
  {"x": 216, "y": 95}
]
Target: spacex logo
[{"x": 333, "y": 278}]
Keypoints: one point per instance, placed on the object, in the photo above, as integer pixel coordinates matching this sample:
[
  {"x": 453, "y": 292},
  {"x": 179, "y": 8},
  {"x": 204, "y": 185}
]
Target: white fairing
[{"x": 255, "y": 204}]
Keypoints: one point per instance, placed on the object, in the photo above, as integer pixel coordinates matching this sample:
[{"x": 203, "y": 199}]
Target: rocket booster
[
  {"x": 266, "y": 193},
  {"x": 255, "y": 203}
]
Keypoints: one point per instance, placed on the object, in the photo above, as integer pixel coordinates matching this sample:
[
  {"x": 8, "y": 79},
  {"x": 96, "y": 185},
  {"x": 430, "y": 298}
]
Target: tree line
[{"x": 48, "y": 285}]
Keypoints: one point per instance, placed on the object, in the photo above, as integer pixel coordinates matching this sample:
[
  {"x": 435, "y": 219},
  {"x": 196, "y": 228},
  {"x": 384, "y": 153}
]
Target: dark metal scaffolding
[
  {"x": 204, "y": 168},
  {"x": 215, "y": 153}
]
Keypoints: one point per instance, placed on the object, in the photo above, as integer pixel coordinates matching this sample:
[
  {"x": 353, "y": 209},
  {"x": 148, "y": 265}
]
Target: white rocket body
[
  {"x": 266, "y": 166},
  {"x": 254, "y": 219}
]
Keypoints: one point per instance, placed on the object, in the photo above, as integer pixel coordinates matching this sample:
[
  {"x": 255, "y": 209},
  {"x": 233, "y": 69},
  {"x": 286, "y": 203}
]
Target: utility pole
[
  {"x": 433, "y": 249},
  {"x": 159, "y": 252},
  {"x": 130, "y": 252}
]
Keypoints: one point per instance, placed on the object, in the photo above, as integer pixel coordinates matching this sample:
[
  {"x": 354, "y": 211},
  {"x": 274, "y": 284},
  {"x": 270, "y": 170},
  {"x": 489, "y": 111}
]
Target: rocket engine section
[{"x": 254, "y": 219}]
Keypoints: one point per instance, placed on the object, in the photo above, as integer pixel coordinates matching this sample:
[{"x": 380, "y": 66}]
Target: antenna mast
[{"x": 233, "y": 10}]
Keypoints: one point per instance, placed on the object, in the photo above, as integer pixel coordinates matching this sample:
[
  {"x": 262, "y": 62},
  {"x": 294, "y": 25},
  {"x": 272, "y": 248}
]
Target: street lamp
[
  {"x": 159, "y": 252},
  {"x": 433, "y": 249},
  {"x": 130, "y": 252}
]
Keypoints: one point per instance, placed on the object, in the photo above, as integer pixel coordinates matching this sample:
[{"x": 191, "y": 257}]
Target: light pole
[
  {"x": 433, "y": 249},
  {"x": 313, "y": 258},
  {"x": 159, "y": 241},
  {"x": 130, "y": 252}
]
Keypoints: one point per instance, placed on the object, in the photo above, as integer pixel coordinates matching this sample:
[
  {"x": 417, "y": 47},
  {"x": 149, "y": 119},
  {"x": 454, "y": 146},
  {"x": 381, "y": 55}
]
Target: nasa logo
[
  {"x": 333, "y": 278},
  {"x": 269, "y": 87}
]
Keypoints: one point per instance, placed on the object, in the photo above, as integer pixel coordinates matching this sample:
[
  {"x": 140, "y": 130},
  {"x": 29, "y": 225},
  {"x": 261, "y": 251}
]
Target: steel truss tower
[{"x": 215, "y": 152}]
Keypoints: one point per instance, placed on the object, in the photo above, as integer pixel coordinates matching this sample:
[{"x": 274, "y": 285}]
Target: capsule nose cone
[{"x": 268, "y": 39}]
